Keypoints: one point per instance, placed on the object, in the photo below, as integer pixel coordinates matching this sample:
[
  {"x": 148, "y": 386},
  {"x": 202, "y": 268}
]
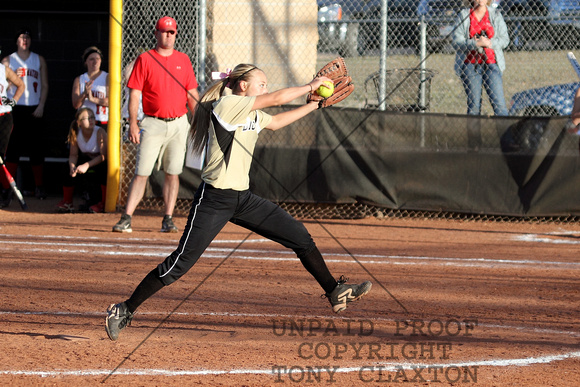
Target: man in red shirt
[{"x": 165, "y": 79}]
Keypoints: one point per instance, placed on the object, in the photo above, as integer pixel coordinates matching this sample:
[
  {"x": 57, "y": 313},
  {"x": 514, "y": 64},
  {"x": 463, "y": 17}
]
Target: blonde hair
[
  {"x": 200, "y": 125},
  {"x": 74, "y": 126}
]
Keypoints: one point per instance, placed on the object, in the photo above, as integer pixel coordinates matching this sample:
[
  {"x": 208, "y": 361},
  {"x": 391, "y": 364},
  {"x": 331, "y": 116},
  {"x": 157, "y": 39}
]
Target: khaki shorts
[{"x": 163, "y": 145}]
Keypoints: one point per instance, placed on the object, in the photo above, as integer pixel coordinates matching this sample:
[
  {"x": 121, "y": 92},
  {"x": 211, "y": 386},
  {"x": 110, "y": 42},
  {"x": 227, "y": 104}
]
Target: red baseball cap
[{"x": 166, "y": 23}]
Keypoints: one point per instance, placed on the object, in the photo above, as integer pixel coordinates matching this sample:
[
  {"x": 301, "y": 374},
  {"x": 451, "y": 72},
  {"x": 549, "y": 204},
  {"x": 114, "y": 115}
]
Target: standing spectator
[
  {"x": 7, "y": 77},
  {"x": 27, "y": 138},
  {"x": 573, "y": 124},
  {"x": 91, "y": 89},
  {"x": 164, "y": 78},
  {"x": 86, "y": 161},
  {"x": 480, "y": 37}
]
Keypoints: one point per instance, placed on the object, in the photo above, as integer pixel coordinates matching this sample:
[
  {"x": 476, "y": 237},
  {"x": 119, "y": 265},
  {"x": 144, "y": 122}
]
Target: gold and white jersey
[{"x": 233, "y": 133}]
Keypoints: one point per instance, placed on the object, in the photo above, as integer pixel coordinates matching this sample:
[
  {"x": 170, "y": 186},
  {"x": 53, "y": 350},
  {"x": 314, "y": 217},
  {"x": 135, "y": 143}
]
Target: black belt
[{"x": 166, "y": 119}]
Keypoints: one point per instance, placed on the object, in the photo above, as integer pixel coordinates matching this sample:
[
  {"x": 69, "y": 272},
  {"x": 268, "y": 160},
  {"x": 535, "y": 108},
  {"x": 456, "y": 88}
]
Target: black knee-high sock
[
  {"x": 148, "y": 287},
  {"x": 314, "y": 263}
]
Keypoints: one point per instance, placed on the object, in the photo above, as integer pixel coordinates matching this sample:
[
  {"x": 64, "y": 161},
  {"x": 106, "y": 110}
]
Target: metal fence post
[
  {"x": 202, "y": 44},
  {"x": 422, "y": 78},
  {"x": 383, "y": 57}
]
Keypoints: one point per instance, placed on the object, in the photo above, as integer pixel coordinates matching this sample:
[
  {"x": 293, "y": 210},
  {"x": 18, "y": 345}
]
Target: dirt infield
[{"x": 453, "y": 303}]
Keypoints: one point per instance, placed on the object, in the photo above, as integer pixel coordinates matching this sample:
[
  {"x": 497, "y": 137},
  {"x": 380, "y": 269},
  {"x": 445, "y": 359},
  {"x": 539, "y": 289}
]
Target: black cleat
[
  {"x": 343, "y": 293},
  {"x": 118, "y": 317},
  {"x": 167, "y": 224},
  {"x": 123, "y": 225}
]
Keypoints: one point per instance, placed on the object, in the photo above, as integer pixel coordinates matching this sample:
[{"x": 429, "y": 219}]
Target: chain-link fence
[
  {"x": 387, "y": 35},
  {"x": 139, "y": 18},
  {"x": 401, "y": 53},
  {"x": 377, "y": 37}
]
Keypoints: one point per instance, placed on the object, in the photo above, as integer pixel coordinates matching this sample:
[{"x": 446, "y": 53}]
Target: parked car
[
  {"x": 555, "y": 100},
  {"x": 350, "y": 27},
  {"x": 556, "y": 22},
  {"x": 338, "y": 26},
  {"x": 548, "y": 101}
]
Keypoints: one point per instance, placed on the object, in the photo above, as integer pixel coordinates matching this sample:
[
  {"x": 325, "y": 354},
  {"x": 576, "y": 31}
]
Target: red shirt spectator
[
  {"x": 164, "y": 82},
  {"x": 478, "y": 27}
]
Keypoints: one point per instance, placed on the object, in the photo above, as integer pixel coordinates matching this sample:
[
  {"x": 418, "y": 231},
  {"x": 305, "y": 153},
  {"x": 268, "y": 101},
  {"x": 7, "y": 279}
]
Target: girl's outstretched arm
[
  {"x": 283, "y": 96},
  {"x": 286, "y": 118}
]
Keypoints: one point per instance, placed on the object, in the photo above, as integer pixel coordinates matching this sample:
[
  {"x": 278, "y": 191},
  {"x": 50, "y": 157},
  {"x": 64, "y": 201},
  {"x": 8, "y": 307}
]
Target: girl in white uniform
[
  {"x": 86, "y": 161},
  {"x": 29, "y": 71},
  {"x": 91, "y": 89},
  {"x": 29, "y": 134},
  {"x": 7, "y": 76}
]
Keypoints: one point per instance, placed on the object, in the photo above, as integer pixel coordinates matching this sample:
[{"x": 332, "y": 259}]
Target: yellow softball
[{"x": 326, "y": 89}]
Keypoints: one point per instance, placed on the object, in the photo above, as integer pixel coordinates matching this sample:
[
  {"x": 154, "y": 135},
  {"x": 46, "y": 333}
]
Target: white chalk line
[
  {"x": 289, "y": 317},
  {"x": 386, "y": 259},
  {"x": 165, "y": 249},
  {"x": 371, "y": 367},
  {"x": 107, "y": 249},
  {"x": 122, "y": 241},
  {"x": 541, "y": 238},
  {"x": 384, "y": 366}
]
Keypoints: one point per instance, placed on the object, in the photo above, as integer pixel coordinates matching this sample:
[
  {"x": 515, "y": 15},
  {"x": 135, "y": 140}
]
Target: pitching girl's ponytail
[{"x": 202, "y": 116}]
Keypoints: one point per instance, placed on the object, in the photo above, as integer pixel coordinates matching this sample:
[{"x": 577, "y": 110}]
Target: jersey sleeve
[
  {"x": 234, "y": 109},
  {"x": 264, "y": 119},
  {"x": 136, "y": 77},
  {"x": 191, "y": 79}
]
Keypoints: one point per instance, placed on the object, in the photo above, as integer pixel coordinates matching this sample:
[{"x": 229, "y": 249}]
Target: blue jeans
[{"x": 475, "y": 77}]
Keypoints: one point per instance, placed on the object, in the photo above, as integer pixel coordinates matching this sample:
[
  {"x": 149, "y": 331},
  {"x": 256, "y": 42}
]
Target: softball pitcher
[{"x": 227, "y": 127}]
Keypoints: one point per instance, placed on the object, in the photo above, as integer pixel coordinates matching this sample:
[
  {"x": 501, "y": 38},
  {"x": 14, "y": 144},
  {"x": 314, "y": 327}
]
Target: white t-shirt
[
  {"x": 29, "y": 71},
  {"x": 99, "y": 90},
  {"x": 90, "y": 147}
]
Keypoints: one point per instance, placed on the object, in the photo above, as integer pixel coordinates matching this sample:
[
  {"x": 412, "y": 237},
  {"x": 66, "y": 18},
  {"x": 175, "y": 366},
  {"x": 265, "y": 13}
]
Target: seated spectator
[{"x": 86, "y": 161}]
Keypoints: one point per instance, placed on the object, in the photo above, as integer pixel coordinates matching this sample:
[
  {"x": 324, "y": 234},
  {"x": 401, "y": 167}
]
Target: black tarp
[{"x": 511, "y": 166}]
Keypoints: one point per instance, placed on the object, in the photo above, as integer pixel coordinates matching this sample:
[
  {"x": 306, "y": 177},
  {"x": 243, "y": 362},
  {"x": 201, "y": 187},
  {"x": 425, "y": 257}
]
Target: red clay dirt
[{"x": 453, "y": 303}]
